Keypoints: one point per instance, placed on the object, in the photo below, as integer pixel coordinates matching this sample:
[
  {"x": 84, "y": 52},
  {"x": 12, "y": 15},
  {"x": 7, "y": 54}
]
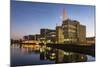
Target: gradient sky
[{"x": 29, "y": 17}]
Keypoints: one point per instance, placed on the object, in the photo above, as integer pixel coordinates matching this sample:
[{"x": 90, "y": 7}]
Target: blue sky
[{"x": 29, "y": 17}]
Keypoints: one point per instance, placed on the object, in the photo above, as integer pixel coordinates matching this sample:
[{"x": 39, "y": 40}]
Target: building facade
[
  {"x": 48, "y": 35},
  {"x": 59, "y": 35},
  {"x": 90, "y": 40},
  {"x": 32, "y": 37},
  {"x": 71, "y": 31}
]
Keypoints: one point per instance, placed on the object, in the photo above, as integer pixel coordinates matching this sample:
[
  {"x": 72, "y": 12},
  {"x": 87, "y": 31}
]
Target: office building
[
  {"x": 48, "y": 35},
  {"x": 71, "y": 31}
]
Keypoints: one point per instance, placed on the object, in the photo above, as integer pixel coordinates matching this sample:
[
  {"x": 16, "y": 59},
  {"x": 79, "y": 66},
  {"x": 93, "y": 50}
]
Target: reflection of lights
[
  {"x": 15, "y": 46},
  {"x": 32, "y": 47},
  {"x": 37, "y": 43},
  {"x": 42, "y": 50},
  {"x": 31, "y": 41},
  {"x": 82, "y": 57},
  {"x": 48, "y": 41},
  {"x": 71, "y": 53},
  {"x": 37, "y": 46},
  {"x": 66, "y": 39},
  {"x": 48, "y": 48},
  {"x": 51, "y": 57},
  {"x": 53, "y": 35},
  {"x": 23, "y": 50},
  {"x": 53, "y": 54},
  {"x": 66, "y": 53}
]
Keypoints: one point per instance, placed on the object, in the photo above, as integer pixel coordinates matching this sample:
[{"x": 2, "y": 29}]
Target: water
[{"x": 30, "y": 55}]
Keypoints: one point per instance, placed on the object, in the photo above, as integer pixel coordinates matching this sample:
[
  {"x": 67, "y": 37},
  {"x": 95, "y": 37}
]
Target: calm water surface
[{"x": 30, "y": 55}]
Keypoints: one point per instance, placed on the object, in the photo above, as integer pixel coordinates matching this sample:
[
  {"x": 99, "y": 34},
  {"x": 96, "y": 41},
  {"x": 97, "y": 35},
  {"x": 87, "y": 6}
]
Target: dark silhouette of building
[
  {"x": 29, "y": 37},
  {"x": 32, "y": 37}
]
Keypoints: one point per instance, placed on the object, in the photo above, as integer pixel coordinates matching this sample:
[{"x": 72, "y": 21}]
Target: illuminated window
[{"x": 71, "y": 26}]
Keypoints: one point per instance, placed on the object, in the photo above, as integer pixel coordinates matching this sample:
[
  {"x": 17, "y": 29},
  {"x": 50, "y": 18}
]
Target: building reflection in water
[
  {"x": 29, "y": 48},
  {"x": 37, "y": 54},
  {"x": 57, "y": 55},
  {"x": 60, "y": 56}
]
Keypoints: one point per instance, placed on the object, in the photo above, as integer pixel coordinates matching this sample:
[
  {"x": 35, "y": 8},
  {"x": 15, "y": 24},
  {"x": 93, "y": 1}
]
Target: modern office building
[
  {"x": 45, "y": 32},
  {"x": 32, "y": 37},
  {"x": 59, "y": 35},
  {"x": 90, "y": 40},
  {"x": 29, "y": 37},
  {"x": 71, "y": 31},
  {"x": 48, "y": 35}
]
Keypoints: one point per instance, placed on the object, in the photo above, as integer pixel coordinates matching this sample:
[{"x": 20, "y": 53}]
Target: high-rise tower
[{"x": 64, "y": 14}]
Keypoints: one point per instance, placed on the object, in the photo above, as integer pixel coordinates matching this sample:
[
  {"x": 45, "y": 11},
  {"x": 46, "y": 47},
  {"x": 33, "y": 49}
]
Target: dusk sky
[{"x": 29, "y": 17}]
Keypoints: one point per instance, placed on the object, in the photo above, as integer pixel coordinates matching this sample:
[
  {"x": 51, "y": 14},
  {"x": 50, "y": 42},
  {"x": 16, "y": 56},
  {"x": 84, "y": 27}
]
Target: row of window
[{"x": 69, "y": 26}]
